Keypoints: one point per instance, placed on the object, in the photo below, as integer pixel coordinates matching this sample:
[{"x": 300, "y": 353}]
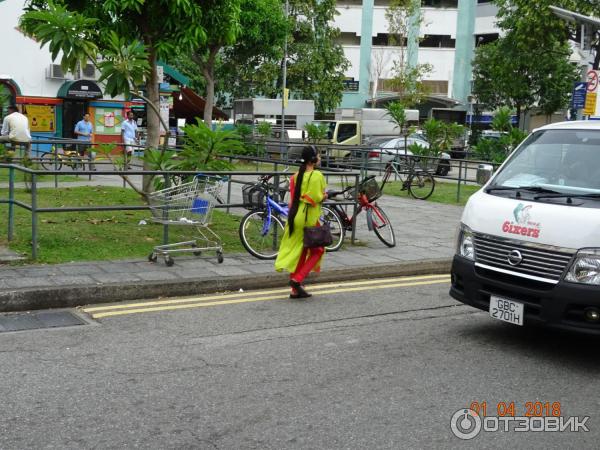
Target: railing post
[
  {"x": 166, "y": 213},
  {"x": 11, "y": 199},
  {"x": 355, "y": 207},
  {"x": 34, "y": 216},
  {"x": 228, "y": 193},
  {"x": 460, "y": 161}
]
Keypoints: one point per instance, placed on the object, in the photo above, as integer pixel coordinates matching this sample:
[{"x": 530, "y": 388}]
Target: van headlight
[
  {"x": 585, "y": 267},
  {"x": 465, "y": 247}
]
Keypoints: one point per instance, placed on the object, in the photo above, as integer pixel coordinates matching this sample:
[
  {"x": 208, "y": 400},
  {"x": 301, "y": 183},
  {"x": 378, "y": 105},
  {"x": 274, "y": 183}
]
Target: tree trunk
[
  {"x": 208, "y": 70},
  {"x": 153, "y": 121}
]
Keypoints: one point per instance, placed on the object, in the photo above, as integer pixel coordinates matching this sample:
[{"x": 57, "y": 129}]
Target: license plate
[{"x": 506, "y": 310}]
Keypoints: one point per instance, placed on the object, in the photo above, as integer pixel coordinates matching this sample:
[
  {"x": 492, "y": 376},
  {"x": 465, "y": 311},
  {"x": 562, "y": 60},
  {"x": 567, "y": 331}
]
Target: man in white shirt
[
  {"x": 15, "y": 127},
  {"x": 129, "y": 132}
]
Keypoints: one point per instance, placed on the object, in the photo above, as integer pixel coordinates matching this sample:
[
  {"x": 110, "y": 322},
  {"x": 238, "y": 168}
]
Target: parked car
[{"x": 386, "y": 150}]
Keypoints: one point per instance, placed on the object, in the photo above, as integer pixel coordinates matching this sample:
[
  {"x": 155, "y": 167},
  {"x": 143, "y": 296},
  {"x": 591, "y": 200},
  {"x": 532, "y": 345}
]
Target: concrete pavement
[{"x": 425, "y": 244}]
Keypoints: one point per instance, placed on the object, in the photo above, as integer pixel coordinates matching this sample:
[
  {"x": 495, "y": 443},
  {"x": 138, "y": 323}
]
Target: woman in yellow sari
[{"x": 308, "y": 192}]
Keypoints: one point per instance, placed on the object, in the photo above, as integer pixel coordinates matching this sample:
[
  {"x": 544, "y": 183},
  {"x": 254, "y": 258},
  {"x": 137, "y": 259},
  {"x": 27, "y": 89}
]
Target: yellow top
[{"x": 309, "y": 213}]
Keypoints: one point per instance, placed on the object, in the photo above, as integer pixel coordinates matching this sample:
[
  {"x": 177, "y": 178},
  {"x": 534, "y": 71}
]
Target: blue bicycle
[{"x": 262, "y": 228}]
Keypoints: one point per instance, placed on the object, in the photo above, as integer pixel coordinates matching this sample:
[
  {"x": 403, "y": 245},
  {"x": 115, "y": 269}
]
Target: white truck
[
  {"x": 528, "y": 250},
  {"x": 357, "y": 126},
  {"x": 253, "y": 110}
]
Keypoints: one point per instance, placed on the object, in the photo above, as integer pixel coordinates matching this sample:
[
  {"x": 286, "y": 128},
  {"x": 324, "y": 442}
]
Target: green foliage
[
  {"x": 316, "y": 64},
  {"x": 510, "y": 73},
  {"x": 249, "y": 67},
  {"x": 407, "y": 77},
  {"x": 161, "y": 161},
  {"x": 316, "y": 132},
  {"x": 441, "y": 135},
  {"x": 264, "y": 129},
  {"x": 496, "y": 150},
  {"x": 244, "y": 131},
  {"x": 397, "y": 113},
  {"x": 5, "y": 99},
  {"x": 203, "y": 146},
  {"x": 123, "y": 65}
]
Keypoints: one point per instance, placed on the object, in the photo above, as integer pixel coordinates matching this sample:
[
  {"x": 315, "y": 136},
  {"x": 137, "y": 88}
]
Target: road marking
[
  {"x": 203, "y": 303},
  {"x": 316, "y": 288}
]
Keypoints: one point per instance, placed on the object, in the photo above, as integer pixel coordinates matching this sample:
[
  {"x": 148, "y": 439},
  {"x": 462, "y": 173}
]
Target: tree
[
  {"x": 221, "y": 20},
  {"x": 529, "y": 65},
  {"x": 407, "y": 79},
  {"x": 127, "y": 37},
  {"x": 315, "y": 65},
  {"x": 250, "y": 67}
]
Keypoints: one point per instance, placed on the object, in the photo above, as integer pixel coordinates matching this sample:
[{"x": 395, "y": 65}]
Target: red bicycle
[{"x": 377, "y": 220}]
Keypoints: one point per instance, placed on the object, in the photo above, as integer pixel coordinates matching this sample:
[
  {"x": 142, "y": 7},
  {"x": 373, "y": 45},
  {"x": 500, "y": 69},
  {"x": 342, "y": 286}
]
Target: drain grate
[{"x": 36, "y": 320}]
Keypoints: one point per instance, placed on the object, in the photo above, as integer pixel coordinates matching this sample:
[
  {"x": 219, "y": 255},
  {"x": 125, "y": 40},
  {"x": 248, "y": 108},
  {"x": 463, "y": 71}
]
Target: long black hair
[{"x": 309, "y": 155}]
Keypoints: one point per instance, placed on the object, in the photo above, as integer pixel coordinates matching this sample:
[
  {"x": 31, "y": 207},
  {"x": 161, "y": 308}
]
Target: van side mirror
[{"x": 484, "y": 173}]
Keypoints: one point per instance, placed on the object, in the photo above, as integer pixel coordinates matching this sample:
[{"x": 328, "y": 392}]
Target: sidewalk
[{"x": 425, "y": 234}]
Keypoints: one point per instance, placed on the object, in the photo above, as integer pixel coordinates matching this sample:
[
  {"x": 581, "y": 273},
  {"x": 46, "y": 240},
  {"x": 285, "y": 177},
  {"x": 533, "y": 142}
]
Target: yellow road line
[
  {"x": 316, "y": 288},
  {"x": 258, "y": 299}
]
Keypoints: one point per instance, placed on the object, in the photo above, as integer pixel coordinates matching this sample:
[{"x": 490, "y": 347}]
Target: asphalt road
[{"x": 364, "y": 365}]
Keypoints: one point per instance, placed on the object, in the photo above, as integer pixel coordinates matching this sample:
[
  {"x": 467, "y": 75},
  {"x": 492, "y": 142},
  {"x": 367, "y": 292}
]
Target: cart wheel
[
  {"x": 220, "y": 257},
  {"x": 152, "y": 257},
  {"x": 197, "y": 252},
  {"x": 169, "y": 261}
]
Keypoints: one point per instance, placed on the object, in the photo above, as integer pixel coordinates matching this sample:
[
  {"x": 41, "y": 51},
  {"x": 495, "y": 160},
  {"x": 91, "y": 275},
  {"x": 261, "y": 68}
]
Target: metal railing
[{"x": 36, "y": 210}]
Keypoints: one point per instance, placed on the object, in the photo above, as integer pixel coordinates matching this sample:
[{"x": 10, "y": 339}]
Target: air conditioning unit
[
  {"x": 55, "y": 72},
  {"x": 88, "y": 72}
]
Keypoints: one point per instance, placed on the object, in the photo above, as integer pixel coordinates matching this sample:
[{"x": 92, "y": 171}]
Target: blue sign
[{"x": 579, "y": 91}]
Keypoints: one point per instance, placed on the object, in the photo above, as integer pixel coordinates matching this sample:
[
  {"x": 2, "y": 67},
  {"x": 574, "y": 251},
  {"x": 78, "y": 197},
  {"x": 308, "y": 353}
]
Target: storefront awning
[
  {"x": 79, "y": 90},
  {"x": 191, "y": 105}
]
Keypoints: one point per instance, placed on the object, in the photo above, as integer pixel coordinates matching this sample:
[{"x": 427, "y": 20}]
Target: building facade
[{"x": 448, "y": 34}]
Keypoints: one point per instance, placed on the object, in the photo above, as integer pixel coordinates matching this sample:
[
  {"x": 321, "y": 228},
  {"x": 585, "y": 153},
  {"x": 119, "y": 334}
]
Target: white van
[{"x": 528, "y": 249}]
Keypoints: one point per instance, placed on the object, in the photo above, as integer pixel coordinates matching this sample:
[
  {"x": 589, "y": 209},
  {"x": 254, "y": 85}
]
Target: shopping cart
[{"x": 188, "y": 204}]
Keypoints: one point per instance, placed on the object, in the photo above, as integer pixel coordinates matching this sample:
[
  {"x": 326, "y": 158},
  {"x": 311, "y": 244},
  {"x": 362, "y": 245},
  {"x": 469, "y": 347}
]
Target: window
[
  {"x": 346, "y": 131},
  {"x": 437, "y": 41},
  {"x": 482, "y": 39},
  {"x": 440, "y": 3}
]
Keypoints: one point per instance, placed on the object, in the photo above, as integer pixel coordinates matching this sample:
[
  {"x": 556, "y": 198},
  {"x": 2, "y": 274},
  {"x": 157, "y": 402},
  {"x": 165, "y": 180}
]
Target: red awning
[{"x": 191, "y": 106}]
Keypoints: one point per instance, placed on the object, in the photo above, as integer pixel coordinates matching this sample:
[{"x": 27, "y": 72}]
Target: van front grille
[{"x": 540, "y": 261}]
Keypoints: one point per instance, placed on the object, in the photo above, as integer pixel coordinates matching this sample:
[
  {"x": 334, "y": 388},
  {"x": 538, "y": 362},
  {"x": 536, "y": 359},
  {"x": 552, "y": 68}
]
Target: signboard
[
  {"x": 80, "y": 89},
  {"x": 108, "y": 121},
  {"x": 579, "y": 94},
  {"x": 592, "y": 92},
  {"x": 590, "y": 104},
  {"x": 160, "y": 74},
  {"x": 41, "y": 118},
  {"x": 351, "y": 85},
  {"x": 164, "y": 112}
]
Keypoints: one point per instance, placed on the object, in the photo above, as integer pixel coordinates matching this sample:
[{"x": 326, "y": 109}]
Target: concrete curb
[{"x": 72, "y": 296}]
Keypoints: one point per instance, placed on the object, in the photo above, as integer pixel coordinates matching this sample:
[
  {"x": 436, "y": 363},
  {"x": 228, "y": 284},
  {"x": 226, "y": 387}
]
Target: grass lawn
[
  {"x": 443, "y": 192},
  {"x": 89, "y": 236},
  {"x": 19, "y": 177}
]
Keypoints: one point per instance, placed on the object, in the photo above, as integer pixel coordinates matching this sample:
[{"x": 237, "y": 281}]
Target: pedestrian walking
[
  {"x": 84, "y": 131},
  {"x": 308, "y": 192},
  {"x": 129, "y": 132},
  {"x": 15, "y": 128}
]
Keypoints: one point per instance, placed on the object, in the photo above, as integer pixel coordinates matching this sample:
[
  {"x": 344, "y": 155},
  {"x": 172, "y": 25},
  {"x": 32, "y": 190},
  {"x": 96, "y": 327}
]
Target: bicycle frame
[{"x": 271, "y": 205}]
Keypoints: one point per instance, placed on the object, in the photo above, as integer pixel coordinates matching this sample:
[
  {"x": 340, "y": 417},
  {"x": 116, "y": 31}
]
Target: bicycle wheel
[
  {"x": 421, "y": 185},
  {"x": 261, "y": 235},
  {"x": 337, "y": 229},
  {"x": 382, "y": 226},
  {"x": 47, "y": 162}
]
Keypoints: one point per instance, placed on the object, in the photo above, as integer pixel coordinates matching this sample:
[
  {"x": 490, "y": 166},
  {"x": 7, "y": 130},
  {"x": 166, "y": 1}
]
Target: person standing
[
  {"x": 85, "y": 133},
  {"x": 15, "y": 128},
  {"x": 129, "y": 134},
  {"x": 308, "y": 192}
]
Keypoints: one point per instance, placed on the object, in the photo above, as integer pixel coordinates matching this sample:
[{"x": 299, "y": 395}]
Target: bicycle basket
[
  {"x": 253, "y": 196},
  {"x": 370, "y": 188}
]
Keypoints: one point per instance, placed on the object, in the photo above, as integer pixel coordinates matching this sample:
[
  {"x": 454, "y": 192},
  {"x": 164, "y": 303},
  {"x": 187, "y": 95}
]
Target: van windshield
[{"x": 565, "y": 161}]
